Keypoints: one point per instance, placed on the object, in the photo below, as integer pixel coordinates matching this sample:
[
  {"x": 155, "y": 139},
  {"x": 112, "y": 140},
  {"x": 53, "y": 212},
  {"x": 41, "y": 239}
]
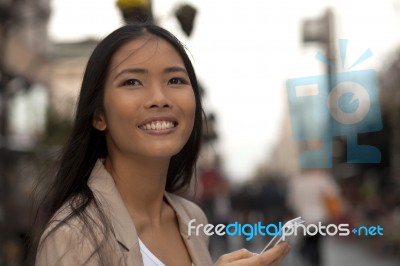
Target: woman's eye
[
  {"x": 176, "y": 81},
  {"x": 131, "y": 82}
]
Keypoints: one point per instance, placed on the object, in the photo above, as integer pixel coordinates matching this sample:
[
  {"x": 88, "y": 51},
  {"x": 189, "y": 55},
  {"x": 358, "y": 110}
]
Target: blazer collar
[
  {"x": 103, "y": 186},
  {"x": 193, "y": 243}
]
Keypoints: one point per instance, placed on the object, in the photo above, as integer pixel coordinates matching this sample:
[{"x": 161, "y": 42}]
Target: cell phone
[{"x": 281, "y": 237}]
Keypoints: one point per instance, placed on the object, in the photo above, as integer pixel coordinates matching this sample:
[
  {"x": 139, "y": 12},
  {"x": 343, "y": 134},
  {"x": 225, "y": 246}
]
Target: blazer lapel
[
  {"x": 198, "y": 251},
  {"x": 103, "y": 186}
]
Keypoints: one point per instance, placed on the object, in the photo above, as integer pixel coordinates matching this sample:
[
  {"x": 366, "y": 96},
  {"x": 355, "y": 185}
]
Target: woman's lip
[
  {"x": 160, "y": 131},
  {"x": 159, "y": 118}
]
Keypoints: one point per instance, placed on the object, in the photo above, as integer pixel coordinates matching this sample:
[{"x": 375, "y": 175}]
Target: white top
[{"x": 149, "y": 259}]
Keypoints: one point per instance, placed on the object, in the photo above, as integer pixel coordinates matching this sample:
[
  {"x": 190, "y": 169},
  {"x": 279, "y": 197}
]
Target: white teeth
[{"x": 158, "y": 125}]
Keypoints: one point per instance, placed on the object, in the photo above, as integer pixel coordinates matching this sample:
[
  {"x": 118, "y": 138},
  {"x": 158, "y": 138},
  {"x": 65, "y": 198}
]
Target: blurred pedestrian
[{"x": 314, "y": 196}]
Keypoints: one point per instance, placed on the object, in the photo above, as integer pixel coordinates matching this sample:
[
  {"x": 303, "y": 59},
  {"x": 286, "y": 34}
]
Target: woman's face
[{"x": 149, "y": 103}]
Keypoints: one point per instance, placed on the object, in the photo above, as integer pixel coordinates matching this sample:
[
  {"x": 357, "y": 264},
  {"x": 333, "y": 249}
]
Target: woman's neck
[{"x": 141, "y": 183}]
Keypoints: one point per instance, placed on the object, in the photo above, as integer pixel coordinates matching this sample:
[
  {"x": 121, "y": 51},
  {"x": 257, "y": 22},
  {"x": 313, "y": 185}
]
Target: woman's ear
[{"x": 98, "y": 121}]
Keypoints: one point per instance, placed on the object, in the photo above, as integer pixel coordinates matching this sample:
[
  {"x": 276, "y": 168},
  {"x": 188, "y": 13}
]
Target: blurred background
[{"x": 244, "y": 52}]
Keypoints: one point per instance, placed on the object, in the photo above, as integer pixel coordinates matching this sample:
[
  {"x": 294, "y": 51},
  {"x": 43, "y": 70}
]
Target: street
[{"x": 336, "y": 252}]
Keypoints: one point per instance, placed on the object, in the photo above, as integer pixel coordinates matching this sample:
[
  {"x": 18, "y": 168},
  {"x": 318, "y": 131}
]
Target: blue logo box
[{"x": 339, "y": 104}]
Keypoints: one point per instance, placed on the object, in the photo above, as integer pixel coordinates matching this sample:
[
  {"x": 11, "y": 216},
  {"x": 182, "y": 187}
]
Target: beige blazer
[{"x": 71, "y": 244}]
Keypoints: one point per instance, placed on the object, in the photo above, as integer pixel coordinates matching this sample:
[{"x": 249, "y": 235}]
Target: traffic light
[
  {"x": 319, "y": 29},
  {"x": 186, "y": 15},
  {"x": 136, "y": 11}
]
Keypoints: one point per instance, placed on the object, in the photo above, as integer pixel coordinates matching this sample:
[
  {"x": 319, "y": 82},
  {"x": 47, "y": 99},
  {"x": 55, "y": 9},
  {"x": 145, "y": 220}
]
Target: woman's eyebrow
[
  {"x": 131, "y": 70},
  {"x": 175, "y": 69},
  {"x": 145, "y": 71}
]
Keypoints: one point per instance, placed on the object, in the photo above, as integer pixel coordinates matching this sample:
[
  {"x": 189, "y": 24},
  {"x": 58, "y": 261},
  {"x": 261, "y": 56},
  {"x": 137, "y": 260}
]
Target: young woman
[{"x": 134, "y": 142}]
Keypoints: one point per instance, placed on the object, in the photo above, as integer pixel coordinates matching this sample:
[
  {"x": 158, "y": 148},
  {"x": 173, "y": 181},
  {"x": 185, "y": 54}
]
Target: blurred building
[
  {"x": 24, "y": 81},
  {"x": 68, "y": 66},
  {"x": 24, "y": 68},
  {"x": 390, "y": 99},
  {"x": 284, "y": 156}
]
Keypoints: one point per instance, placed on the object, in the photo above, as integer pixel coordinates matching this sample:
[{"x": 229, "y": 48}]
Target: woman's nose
[{"x": 158, "y": 98}]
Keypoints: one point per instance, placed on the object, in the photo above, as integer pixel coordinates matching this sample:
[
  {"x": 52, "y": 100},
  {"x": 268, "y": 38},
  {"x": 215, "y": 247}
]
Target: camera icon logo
[
  {"x": 339, "y": 104},
  {"x": 344, "y": 103}
]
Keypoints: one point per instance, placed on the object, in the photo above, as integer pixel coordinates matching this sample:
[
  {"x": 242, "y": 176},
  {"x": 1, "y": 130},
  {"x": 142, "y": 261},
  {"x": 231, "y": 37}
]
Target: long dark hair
[{"x": 86, "y": 144}]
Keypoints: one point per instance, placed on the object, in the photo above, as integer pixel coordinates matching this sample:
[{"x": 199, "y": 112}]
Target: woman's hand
[{"x": 272, "y": 257}]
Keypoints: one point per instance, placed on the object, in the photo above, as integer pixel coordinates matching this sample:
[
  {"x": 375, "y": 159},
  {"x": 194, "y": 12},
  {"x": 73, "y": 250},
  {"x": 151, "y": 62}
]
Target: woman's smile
[{"x": 162, "y": 125}]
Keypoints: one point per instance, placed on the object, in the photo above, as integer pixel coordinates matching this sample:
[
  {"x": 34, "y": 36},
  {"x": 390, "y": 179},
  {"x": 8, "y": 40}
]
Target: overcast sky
[{"x": 244, "y": 51}]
